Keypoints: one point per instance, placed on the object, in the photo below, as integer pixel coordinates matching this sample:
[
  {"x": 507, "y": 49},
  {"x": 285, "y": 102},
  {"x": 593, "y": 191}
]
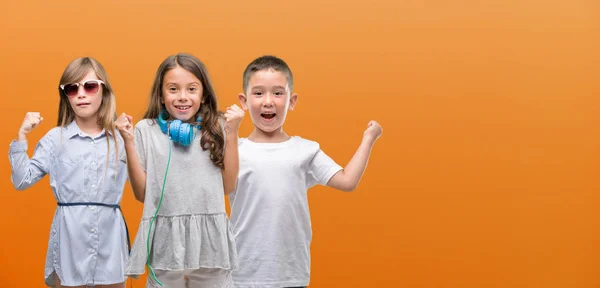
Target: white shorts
[{"x": 192, "y": 278}]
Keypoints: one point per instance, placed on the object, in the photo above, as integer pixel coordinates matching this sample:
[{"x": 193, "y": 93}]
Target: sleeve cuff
[
  {"x": 332, "y": 173},
  {"x": 18, "y": 146}
]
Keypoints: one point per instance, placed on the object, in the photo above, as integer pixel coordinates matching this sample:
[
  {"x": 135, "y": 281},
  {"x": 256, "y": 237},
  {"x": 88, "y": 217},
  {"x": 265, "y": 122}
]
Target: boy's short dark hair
[{"x": 264, "y": 63}]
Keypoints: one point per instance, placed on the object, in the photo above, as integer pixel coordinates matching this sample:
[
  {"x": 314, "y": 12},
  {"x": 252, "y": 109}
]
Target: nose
[
  {"x": 80, "y": 91},
  {"x": 268, "y": 100},
  {"x": 182, "y": 96}
]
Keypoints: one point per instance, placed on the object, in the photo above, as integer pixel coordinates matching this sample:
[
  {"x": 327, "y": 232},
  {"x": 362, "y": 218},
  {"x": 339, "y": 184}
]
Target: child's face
[
  {"x": 181, "y": 94},
  {"x": 87, "y": 101},
  {"x": 268, "y": 99}
]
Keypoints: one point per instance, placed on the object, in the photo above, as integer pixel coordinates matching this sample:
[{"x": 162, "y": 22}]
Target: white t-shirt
[{"x": 269, "y": 210}]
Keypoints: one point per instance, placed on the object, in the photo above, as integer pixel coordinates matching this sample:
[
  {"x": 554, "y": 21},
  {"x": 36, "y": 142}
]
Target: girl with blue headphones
[{"x": 182, "y": 159}]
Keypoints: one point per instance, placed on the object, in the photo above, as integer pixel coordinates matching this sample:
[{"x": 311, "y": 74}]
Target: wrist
[
  {"x": 231, "y": 135},
  {"x": 21, "y": 136},
  {"x": 368, "y": 139},
  {"x": 129, "y": 144}
]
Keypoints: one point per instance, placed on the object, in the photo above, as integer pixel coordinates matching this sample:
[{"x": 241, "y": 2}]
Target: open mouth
[
  {"x": 183, "y": 108},
  {"x": 268, "y": 115}
]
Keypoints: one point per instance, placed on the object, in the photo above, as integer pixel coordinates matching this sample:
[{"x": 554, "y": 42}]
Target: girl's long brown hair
[{"x": 212, "y": 135}]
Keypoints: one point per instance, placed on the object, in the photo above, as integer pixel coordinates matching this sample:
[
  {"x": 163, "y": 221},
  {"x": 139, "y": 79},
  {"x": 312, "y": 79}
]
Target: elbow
[
  {"x": 349, "y": 188},
  {"x": 230, "y": 181},
  {"x": 228, "y": 189},
  {"x": 139, "y": 196},
  {"x": 344, "y": 181},
  {"x": 19, "y": 186},
  {"x": 139, "y": 199}
]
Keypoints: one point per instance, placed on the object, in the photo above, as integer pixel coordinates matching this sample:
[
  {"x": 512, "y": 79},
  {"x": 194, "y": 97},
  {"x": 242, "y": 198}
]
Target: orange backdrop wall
[{"x": 487, "y": 171}]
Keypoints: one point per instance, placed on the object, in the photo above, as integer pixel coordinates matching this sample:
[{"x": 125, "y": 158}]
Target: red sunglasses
[{"x": 90, "y": 87}]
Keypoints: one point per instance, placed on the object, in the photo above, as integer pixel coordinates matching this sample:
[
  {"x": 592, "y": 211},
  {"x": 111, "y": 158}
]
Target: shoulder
[
  {"x": 55, "y": 134},
  {"x": 145, "y": 130},
  {"x": 295, "y": 145},
  {"x": 145, "y": 124},
  {"x": 297, "y": 141},
  {"x": 147, "y": 127},
  {"x": 53, "y": 139},
  {"x": 55, "y": 131}
]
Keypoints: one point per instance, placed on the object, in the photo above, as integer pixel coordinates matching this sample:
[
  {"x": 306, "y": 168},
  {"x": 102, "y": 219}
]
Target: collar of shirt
[{"x": 73, "y": 129}]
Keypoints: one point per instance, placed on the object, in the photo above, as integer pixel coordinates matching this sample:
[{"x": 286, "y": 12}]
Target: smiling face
[
  {"x": 181, "y": 94},
  {"x": 268, "y": 99}
]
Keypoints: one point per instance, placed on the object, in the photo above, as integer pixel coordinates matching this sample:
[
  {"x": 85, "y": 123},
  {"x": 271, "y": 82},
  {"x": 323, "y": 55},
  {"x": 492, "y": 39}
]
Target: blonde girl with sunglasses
[{"x": 85, "y": 159}]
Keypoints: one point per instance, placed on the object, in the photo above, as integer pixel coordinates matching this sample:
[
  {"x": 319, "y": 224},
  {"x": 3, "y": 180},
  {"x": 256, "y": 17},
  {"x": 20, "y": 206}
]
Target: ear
[
  {"x": 293, "y": 101},
  {"x": 243, "y": 101}
]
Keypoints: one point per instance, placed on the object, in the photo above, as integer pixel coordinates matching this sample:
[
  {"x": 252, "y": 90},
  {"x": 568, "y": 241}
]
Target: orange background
[{"x": 484, "y": 175}]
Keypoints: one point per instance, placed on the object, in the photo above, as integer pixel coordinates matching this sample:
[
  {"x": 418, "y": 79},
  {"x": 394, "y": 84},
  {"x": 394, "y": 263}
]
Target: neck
[
  {"x": 89, "y": 125},
  {"x": 268, "y": 137}
]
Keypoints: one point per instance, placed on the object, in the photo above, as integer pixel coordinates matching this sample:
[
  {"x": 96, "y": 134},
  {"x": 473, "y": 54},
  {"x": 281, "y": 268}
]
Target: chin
[
  {"x": 269, "y": 129},
  {"x": 187, "y": 119}
]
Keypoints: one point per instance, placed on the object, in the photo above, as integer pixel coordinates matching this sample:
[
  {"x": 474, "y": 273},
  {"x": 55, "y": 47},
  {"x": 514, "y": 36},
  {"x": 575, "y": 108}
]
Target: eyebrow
[
  {"x": 263, "y": 87},
  {"x": 177, "y": 83}
]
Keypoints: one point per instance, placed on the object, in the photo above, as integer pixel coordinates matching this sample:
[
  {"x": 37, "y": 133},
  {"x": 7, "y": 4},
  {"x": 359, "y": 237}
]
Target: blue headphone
[{"x": 179, "y": 132}]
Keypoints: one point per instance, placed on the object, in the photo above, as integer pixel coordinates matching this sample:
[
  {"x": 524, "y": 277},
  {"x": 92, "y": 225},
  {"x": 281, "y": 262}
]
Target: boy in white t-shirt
[{"x": 269, "y": 208}]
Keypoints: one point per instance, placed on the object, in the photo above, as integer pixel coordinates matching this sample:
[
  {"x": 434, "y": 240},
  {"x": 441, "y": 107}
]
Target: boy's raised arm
[{"x": 348, "y": 178}]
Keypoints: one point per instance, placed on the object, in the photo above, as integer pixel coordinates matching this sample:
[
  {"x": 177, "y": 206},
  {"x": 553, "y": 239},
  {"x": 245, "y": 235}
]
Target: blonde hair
[{"x": 107, "y": 113}]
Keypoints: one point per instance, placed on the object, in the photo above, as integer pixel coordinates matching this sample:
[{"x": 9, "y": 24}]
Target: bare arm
[
  {"x": 231, "y": 162},
  {"x": 348, "y": 178},
  {"x": 137, "y": 175}
]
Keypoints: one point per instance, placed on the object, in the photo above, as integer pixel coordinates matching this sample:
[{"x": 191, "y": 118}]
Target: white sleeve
[{"x": 321, "y": 169}]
